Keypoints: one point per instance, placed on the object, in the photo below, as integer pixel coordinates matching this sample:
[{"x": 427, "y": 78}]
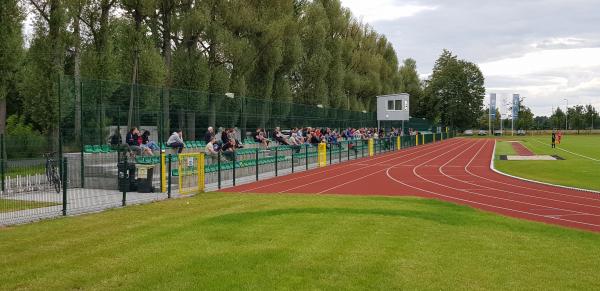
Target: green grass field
[
  {"x": 575, "y": 171},
  {"x": 264, "y": 242},
  {"x": 8, "y": 205},
  {"x": 23, "y": 171}
]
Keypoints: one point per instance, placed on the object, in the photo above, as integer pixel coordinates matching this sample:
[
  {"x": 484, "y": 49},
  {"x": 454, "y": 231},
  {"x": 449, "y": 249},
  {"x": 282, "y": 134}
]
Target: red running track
[
  {"x": 456, "y": 171},
  {"x": 521, "y": 150}
]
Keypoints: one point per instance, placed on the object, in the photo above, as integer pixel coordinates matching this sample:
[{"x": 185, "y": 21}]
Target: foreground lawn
[
  {"x": 9, "y": 205},
  {"x": 228, "y": 241},
  {"x": 574, "y": 171}
]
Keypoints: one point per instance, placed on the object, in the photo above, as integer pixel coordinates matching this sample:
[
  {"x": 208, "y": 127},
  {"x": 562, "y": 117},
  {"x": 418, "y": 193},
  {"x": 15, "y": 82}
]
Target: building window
[
  {"x": 398, "y": 105},
  {"x": 390, "y": 105}
]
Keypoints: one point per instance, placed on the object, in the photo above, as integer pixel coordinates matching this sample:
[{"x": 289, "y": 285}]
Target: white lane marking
[
  {"x": 377, "y": 172},
  {"x": 568, "y": 151},
  {"x": 485, "y": 204},
  {"x": 329, "y": 169},
  {"x": 512, "y": 192},
  {"x": 536, "y": 182}
]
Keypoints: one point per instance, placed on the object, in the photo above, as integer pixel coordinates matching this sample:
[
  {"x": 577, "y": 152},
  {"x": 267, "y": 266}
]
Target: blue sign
[
  {"x": 493, "y": 105},
  {"x": 515, "y": 106}
]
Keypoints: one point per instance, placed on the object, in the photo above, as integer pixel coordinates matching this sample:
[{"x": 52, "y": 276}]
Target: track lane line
[
  {"x": 380, "y": 171},
  {"x": 513, "y": 192},
  {"x": 317, "y": 171},
  {"x": 424, "y": 149},
  {"x": 543, "y": 218}
]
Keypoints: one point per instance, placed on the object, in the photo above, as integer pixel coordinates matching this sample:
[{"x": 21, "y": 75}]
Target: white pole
[{"x": 489, "y": 121}]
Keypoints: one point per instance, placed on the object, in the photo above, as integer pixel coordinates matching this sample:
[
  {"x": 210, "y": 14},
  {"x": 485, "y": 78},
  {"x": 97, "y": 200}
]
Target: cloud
[
  {"x": 544, "y": 49},
  {"x": 543, "y": 61},
  {"x": 384, "y": 9}
]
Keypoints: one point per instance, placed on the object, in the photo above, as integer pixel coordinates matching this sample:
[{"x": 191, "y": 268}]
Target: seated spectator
[
  {"x": 133, "y": 140},
  {"x": 211, "y": 151},
  {"x": 279, "y": 137},
  {"x": 294, "y": 142},
  {"x": 176, "y": 141},
  {"x": 116, "y": 142},
  {"x": 228, "y": 150},
  {"x": 225, "y": 136},
  {"x": 210, "y": 133},
  {"x": 260, "y": 138},
  {"x": 115, "y": 139},
  {"x": 148, "y": 146},
  {"x": 314, "y": 139}
]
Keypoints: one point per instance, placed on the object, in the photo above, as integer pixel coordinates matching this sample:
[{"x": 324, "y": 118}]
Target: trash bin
[
  {"x": 126, "y": 177},
  {"x": 144, "y": 178}
]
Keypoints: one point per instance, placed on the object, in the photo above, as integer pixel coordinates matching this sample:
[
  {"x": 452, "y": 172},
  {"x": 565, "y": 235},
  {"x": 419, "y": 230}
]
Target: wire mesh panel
[{"x": 191, "y": 173}]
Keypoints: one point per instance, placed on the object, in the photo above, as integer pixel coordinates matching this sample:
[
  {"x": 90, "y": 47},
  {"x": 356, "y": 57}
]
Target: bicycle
[{"x": 52, "y": 172}]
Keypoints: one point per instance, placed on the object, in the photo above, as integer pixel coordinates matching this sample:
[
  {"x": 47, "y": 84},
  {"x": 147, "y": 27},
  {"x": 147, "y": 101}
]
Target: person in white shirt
[
  {"x": 176, "y": 141},
  {"x": 210, "y": 152}
]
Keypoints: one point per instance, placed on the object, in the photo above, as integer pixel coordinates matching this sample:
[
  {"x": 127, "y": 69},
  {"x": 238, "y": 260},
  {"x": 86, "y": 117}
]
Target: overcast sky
[{"x": 546, "y": 50}]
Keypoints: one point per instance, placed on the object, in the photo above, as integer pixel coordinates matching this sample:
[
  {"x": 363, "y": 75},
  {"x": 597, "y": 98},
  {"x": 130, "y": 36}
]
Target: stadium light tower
[{"x": 567, "y": 115}]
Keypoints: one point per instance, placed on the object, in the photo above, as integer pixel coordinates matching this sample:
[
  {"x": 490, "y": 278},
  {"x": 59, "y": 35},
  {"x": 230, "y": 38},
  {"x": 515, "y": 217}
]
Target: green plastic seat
[
  {"x": 105, "y": 148},
  {"x": 96, "y": 149},
  {"x": 88, "y": 149}
]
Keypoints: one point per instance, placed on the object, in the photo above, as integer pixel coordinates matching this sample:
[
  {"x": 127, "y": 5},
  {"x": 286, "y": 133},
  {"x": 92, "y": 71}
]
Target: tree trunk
[
  {"x": 77, "y": 74},
  {"x": 3, "y": 114},
  {"x": 167, "y": 8},
  {"x": 137, "y": 15}
]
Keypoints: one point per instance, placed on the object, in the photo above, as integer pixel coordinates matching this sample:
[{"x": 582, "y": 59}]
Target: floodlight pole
[
  {"x": 567, "y": 115},
  {"x": 490, "y": 121}
]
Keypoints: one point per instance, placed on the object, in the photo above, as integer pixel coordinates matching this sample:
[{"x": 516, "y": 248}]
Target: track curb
[{"x": 534, "y": 181}]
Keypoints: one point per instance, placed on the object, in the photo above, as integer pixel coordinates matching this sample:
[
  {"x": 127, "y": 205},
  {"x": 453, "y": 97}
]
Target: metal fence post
[
  {"x": 169, "y": 176},
  {"x": 362, "y": 149},
  {"x": 276, "y": 158},
  {"x": 234, "y": 166},
  {"x": 340, "y": 151},
  {"x": 330, "y": 153},
  {"x": 348, "y": 147},
  {"x": 256, "y": 164},
  {"x": 127, "y": 173},
  {"x": 219, "y": 170},
  {"x": 293, "y": 150},
  {"x": 64, "y": 186},
  {"x": 2, "y": 172},
  {"x": 306, "y": 155}
]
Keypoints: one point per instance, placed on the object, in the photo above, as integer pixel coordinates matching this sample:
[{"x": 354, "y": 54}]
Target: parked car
[
  {"x": 498, "y": 132},
  {"x": 468, "y": 132},
  {"x": 482, "y": 132},
  {"x": 521, "y": 132}
]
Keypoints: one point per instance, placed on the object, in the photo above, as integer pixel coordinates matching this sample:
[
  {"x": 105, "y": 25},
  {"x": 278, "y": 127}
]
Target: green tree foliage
[
  {"x": 576, "y": 117},
  {"x": 525, "y": 120},
  {"x": 454, "y": 93},
  {"x": 311, "y": 52},
  {"x": 11, "y": 51},
  {"x": 410, "y": 83}
]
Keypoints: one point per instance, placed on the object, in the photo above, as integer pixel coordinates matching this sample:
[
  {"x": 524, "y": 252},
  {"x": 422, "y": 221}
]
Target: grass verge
[
  {"x": 231, "y": 241},
  {"x": 574, "y": 171},
  {"x": 9, "y": 205}
]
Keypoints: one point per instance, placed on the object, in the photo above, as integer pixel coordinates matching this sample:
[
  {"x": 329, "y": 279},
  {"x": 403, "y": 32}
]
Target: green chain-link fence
[{"x": 73, "y": 169}]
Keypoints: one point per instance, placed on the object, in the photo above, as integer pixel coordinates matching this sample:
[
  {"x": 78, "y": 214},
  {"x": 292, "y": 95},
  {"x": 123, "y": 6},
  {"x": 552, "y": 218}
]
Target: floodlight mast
[{"x": 567, "y": 115}]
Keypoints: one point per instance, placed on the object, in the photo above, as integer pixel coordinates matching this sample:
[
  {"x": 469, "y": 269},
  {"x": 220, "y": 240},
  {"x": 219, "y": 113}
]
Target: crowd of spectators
[{"x": 226, "y": 141}]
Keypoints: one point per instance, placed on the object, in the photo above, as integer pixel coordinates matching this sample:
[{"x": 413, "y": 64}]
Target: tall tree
[
  {"x": 11, "y": 51},
  {"x": 410, "y": 83},
  {"x": 44, "y": 66},
  {"x": 455, "y": 91}
]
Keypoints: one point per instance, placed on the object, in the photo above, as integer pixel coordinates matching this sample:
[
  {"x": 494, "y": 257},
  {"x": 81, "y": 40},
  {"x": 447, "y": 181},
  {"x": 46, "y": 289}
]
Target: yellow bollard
[
  {"x": 398, "y": 145},
  {"x": 163, "y": 173},
  {"x": 417, "y": 139},
  {"x": 371, "y": 147},
  {"x": 322, "y": 154}
]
